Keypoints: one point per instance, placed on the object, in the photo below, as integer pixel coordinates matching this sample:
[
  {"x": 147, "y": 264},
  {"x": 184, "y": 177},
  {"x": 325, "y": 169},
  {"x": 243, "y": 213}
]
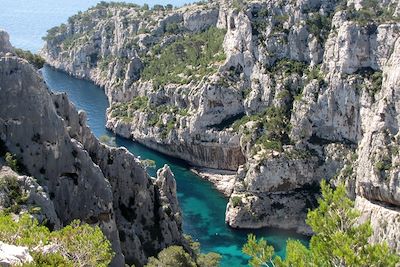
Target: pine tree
[{"x": 339, "y": 239}]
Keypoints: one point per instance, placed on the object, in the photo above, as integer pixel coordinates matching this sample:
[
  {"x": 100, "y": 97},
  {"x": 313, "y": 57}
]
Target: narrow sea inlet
[{"x": 202, "y": 205}]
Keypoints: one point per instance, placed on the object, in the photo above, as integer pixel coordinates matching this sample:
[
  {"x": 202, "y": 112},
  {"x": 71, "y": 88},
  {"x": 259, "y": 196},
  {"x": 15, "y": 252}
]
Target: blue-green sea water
[{"x": 203, "y": 206}]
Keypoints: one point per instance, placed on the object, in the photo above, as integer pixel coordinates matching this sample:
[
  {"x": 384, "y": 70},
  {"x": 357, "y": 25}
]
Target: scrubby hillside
[{"x": 283, "y": 92}]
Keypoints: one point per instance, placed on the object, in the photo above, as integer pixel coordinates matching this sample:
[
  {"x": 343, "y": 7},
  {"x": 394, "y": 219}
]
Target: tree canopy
[{"x": 339, "y": 239}]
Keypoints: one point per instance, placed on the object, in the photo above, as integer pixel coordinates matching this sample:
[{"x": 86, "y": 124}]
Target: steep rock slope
[
  {"x": 82, "y": 178},
  {"x": 296, "y": 92}
]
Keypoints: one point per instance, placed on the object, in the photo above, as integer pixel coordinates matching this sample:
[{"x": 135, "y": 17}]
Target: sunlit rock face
[
  {"x": 304, "y": 90},
  {"x": 77, "y": 177}
]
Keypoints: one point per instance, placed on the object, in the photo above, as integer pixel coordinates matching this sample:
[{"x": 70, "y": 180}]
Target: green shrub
[
  {"x": 176, "y": 256},
  {"x": 148, "y": 163},
  {"x": 376, "y": 82},
  {"x": 382, "y": 166},
  {"x": 172, "y": 28},
  {"x": 125, "y": 110},
  {"x": 34, "y": 59},
  {"x": 11, "y": 161},
  {"x": 236, "y": 201},
  {"x": 48, "y": 260},
  {"x": 319, "y": 26},
  {"x": 9, "y": 184},
  {"x": 51, "y": 33},
  {"x": 172, "y": 256},
  {"x": 288, "y": 67},
  {"x": 84, "y": 244},
  {"x": 338, "y": 238},
  {"x": 78, "y": 244},
  {"x": 187, "y": 59},
  {"x": 372, "y": 11},
  {"x": 274, "y": 124},
  {"x": 110, "y": 141}
]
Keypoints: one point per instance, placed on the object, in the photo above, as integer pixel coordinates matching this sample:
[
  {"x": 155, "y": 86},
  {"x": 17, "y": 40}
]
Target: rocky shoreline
[{"x": 223, "y": 181}]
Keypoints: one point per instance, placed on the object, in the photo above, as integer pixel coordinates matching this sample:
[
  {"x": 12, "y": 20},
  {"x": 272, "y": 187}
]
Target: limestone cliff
[
  {"x": 75, "y": 176},
  {"x": 291, "y": 93}
]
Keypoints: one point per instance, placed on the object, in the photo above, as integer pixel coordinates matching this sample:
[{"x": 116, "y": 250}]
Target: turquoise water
[{"x": 203, "y": 206}]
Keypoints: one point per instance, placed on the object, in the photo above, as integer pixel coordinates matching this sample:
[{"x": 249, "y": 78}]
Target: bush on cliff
[
  {"x": 190, "y": 58},
  {"x": 34, "y": 59},
  {"x": 339, "y": 239},
  {"x": 176, "y": 256},
  {"x": 77, "y": 244}
]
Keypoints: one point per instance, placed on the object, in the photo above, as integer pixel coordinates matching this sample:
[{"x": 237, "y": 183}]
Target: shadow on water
[{"x": 202, "y": 205}]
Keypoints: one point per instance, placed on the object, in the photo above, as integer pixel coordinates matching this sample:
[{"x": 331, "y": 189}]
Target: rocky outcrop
[
  {"x": 194, "y": 139},
  {"x": 36, "y": 196},
  {"x": 14, "y": 255},
  {"x": 385, "y": 220},
  {"x": 305, "y": 90},
  {"x": 80, "y": 177},
  {"x": 5, "y": 45}
]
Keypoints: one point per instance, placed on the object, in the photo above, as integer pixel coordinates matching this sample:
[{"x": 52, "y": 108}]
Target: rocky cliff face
[
  {"x": 295, "y": 92},
  {"x": 75, "y": 175}
]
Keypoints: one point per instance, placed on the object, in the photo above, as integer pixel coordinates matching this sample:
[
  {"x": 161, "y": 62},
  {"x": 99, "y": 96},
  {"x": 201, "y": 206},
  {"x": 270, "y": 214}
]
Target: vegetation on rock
[
  {"x": 105, "y": 139},
  {"x": 16, "y": 196},
  {"x": 176, "y": 256},
  {"x": 274, "y": 125},
  {"x": 34, "y": 59},
  {"x": 77, "y": 244},
  {"x": 185, "y": 60},
  {"x": 339, "y": 239}
]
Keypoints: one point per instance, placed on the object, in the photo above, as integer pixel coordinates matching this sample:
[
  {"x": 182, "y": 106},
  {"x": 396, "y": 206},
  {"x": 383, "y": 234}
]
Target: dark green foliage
[
  {"x": 372, "y": 11},
  {"x": 383, "y": 164},
  {"x": 338, "y": 240},
  {"x": 190, "y": 58},
  {"x": 145, "y": 7},
  {"x": 370, "y": 80},
  {"x": 173, "y": 256},
  {"x": 315, "y": 73},
  {"x": 259, "y": 20},
  {"x": 274, "y": 124},
  {"x": 158, "y": 7},
  {"x": 78, "y": 244},
  {"x": 288, "y": 67},
  {"x": 279, "y": 20},
  {"x": 236, "y": 201},
  {"x": 15, "y": 194},
  {"x": 11, "y": 161},
  {"x": 319, "y": 26},
  {"x": 176, "y": 256},
  {"x": 51, "y": 33},
  {"x": 34, "y": 59},
  {"x": 238, "y": 5},
  {"x": 125, "y": 110},
  {"x": 104, "y": 4},
  {"x": 172, "y": 28},
  {"x": 376, "y": 82},
  {"x": 104, "y": 62},
  {"x": 110, "y": 141},
  {"x": 48, "y": 260}
]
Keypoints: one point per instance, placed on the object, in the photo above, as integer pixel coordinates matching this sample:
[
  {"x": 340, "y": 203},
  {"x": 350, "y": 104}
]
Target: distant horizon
[{"x": 28, "y": 21}]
